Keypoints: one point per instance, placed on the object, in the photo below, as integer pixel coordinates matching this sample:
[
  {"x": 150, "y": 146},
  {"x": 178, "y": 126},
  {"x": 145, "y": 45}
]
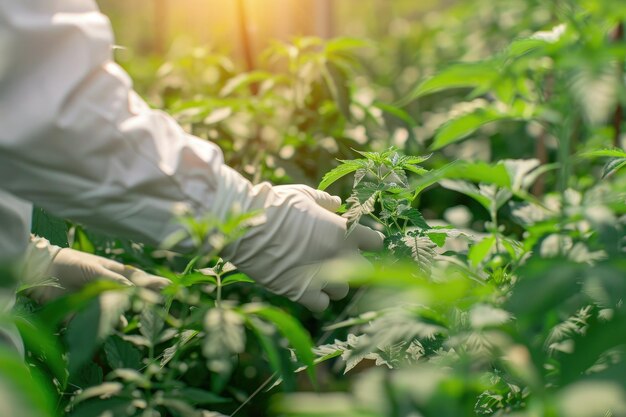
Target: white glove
[
  {"x": 300, "y": 237},
  {"x": 74, "y": 269}
]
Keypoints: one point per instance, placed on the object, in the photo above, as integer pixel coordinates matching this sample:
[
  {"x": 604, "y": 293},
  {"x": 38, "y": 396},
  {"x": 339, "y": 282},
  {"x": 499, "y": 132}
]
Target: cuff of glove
[
  {"x": 37, "y": 260},
  {"x": 235, "y": 196}
]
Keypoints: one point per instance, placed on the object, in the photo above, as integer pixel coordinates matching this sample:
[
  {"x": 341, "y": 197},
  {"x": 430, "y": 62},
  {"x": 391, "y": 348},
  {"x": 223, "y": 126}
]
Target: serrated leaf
[
  {"x": 121, "y": 354},
  {"x": 413, "y": 215},
  {"x": 356, "y": 210},
  {"x": 342, "y": 170},
  {"x": 422, "y": 251},
  {"x": 358, "y": 176},
  {"x": 415, "y": 169},
  {"x": 151, "y": 325}
]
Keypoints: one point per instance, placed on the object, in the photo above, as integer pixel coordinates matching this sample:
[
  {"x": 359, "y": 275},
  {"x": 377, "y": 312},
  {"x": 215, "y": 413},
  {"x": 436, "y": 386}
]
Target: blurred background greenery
[{"x": 501, "y": 289}]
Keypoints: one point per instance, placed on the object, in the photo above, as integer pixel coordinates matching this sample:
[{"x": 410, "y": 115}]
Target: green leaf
[
  {"x": 42, "y": 343},
  {"x": 468, "y": 189},
  {"x": 356, "y": 209},
  {"x": 151, "y": 325},
  {"x": 479, "y": 172},
  {"x": 236, "y": 278},
  {"x": 225, "y": 336},
  {"x": 243, "y": 80},
  {"x": 279, "y": 359},
  {"x": 121, "y": 354},
  {"x": 413, "y": 215},
  {"x": 104, "y": 390},
  {"x": 342, "y": 170},
  {"x": 51, "y": 227},
  {"x": 345, "y": 44},
  {"x": 337, "y": 82},
  {"x": 398, "y": 113},
  {"x": 218, "y": 115},
  {"x": 438, "y": 239},
  {"x": 92, "y": 325},
  {"x": 558, "y": 279},
  {"x": 99, "y": 407},
  {"x": 479, "y": 251},
  {"x": 461, "y": 127},
  {"x": 56, "y": 310},
  {"x": 525, "y": 45},
  {"x": 476, "y": 74},
  {"x": 612, "y": 153},
  {"x": 23, "y": 391},
  {"x": 196, "y": 396},
  {"x": 422, "y": 250},
  {"x": 613, "y": 166},
  {"x": 415, "y": 170},
  {"x": 82, "y": 241},
  {"x": 88, "y": 375},
  {"x": 293, "y": 331}
]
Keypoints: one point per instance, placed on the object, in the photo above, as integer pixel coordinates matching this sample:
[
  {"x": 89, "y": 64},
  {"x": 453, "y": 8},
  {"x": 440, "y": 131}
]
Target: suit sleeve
[{"x": 78, "y": 141}]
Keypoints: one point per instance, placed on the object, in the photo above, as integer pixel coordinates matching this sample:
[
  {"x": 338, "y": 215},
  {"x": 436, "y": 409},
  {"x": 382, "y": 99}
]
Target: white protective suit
[{"x": 76, "y": 140}]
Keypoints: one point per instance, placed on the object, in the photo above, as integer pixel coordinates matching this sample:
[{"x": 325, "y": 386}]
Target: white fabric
[
  {"x": 15, "y": 220},
  {"x": 74, "y": 269},
  {"x": 300, "y": 240},
  {"x": 77, "y": 141}
]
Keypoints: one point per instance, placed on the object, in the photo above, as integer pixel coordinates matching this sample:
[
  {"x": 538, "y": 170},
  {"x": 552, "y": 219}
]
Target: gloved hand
[
  {"x": 75, "y": 269},
  {"x": 299, "y": 238}
]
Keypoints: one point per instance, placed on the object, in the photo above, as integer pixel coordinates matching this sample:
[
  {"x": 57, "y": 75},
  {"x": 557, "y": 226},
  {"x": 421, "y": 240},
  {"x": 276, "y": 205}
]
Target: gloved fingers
[
  {"x": 325, "y": 200},
  {"x": 104, "y": 273},
  {"x": 110, "y": 264},
  {"x": 143, "y": 279},
  {"x": 336, "y": 290},
  {"x": 321, "y": 198},
  {"x": 315, "y": 300},
  {"x": 365, "y": 238}
]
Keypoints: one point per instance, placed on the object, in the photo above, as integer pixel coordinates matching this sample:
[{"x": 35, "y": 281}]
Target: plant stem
[
  {"x": 493, "y": 213},
  {"x": 218, "y": 298},
  {"x": 618, "y": 36}
]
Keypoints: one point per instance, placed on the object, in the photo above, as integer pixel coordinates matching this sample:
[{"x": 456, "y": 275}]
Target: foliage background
[{"x": 501, "y": 288}]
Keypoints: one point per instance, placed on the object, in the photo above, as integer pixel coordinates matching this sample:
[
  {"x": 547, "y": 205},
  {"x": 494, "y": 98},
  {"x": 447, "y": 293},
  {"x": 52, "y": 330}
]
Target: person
[{"x": 76, "y": 140}]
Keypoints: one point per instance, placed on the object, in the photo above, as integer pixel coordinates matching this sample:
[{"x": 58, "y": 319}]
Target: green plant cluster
[{"x": 497, "y": 181}]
